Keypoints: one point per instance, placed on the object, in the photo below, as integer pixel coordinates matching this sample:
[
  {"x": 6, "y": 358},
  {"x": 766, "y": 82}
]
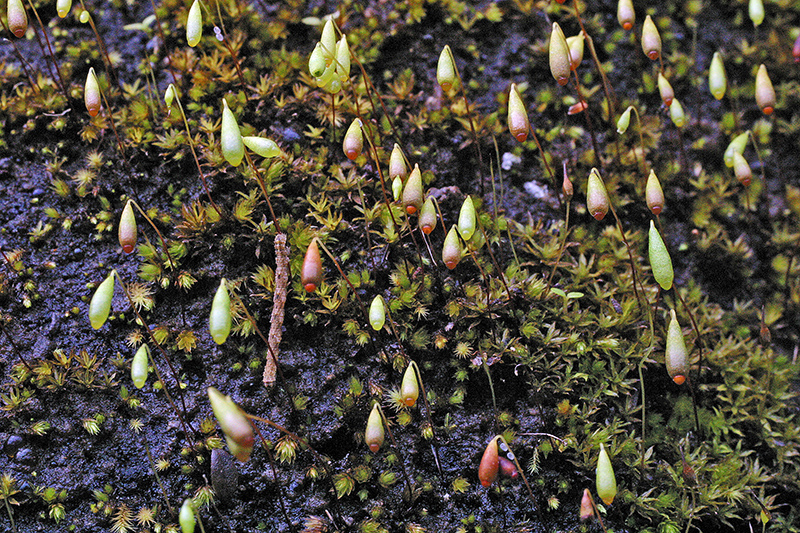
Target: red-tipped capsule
[
  {"x": 311, "y": 272},
  {"x": 412, "y": 193},
  {"x": 127, "y": 229},
  {"x": 427, "y": 216},
  {"x": 490, "y": 464},
  {"x": 446, "y": 69},
  {"x": 451, "y": 251},
  {"x": 373, "y": 435},
  {"x": 580, "y": 107},
  {"x": 675, "y": 355},
  {"x": 559, "y": 55},
  {"x": 742, "y": 169},
  {"x": 665, "y": 90},
  {"x": 409, "y": 388},
  {"x": 353, "y": 140},
  {"x": 765, "y": 92},
  {"x": 651, "y": 39},
  {"x": 625, "y": 14},
  {"x": 17, "y": 18},
  {"x": 654, "y": 194},
  {"x": 91, "y": 94},
  {"x": 518, "y": 123}
]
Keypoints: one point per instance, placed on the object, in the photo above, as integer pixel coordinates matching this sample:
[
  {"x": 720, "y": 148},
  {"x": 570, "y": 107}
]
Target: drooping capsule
[
  {"x": 741, "y": 168},
  {"x": 262, "y": 146},
  {"x": 63, "y": 7},
  {"x": 427, "y": 216},
  {"x": 559, "y": 55},
  {"x": 231, "y": 137},
  {"x": 765, "y": 92},
  {"x": 446, "y": 69},
  {"x": 587, "y": 507},
  {"x": 755, "y": 10},
  {"x": 353, "y": 141},
  {"x": 377, "y": 313},
  {"x": 373, "y": 435},
  {"x": 311, "y": 272},
  {"x": 467, "y": 219},
  {"x": 717, "y": 79},
  {"x": 126, "y": 232},
  {"x": 624, "y": 120},
  {"x": 518, "y": 123},
  {"x": 605, "y": 481},
  {"x": 651, "y": 39},
  {"x": 343, "y": 59},
  {"x": 234, "y": 423},
  {"x": 91, "y": 94},
  {"x": 186, "y": 517},
  {"x": 139, "y": 366},
  {"x": 660, "y": 261},
  {"x": 397, "y": 164},
  {"x": 17, "y": 18},
  {"x": 677, "y": 114},
  {"x": 576, "y": 45},
  {"x": 409, "y": 387},
  {"x": 413, "y": 196},
  {"x": 665, "y": 90},
  {"x": 737, "y": 144},
  {"x": 654, "y": 194},
  {"x": 219, "y": 320},
  {"x": 100, "y": 305},
  {"x": 676, "y": 355},
  {"x": 194, "y": 24},
  {"x": 597, "y": 200},
  {"x": 626, "y": 16},
  {"x": 490, "y": 463},
  {"x": 451, "y": 250}
]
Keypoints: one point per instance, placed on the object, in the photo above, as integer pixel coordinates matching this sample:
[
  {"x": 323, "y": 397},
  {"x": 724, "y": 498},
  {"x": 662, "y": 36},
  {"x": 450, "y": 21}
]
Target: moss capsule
[
  {"x": 377, "y": 313},
  {"x": 676, "y": 355},
  {"x": 451, "y": 250},
  {"x": 738, "y": 144},
  {"x": 559, "y": 55},
  {"x": 409, "y": 387},
  {"x": 651, "y": 39},
  {"x": 219, "y": 321},
  {"x": 626, "y": 16},
  {"x": 373, "y": 435},
  {"x": 353, "y": 141},
  {"x": 397, "y": 165},
  {"x": 765, "y": 92},
  {"x": 194, "y": 24},
  {"x": 91, "y": 94},
  {"x": 139, "y": 366},
  {"x": 490, "y": 463},
  {"x": 427, "y": 216},
  {"x": 624, "y": 120},
  {"x": 467, "y": 219},
  {"x": 597, "y": 200},
  {"x": 17, "y": 18},
  {"x": 63, "y": 7},
  {"x": 665, "y": 90},
  {"x": 186, "y": 517},
  {"x": 413, "y": 196},
  {"x": 518, "y": 123},
  {"x": 660, "y": 261},
  {"x": 742, "y": 169},
  {"x": 446, "y": 69},
  {"x": 126, "y": 233},
  {"x": 717, "y": 79},
  {"x": 100, "y": 305},
  {"x": 654, "y": 194},
  {"x": 576, "y": 45},
  {"x": 262, "y": 146},
  {"x": 234, "y": 423},
  {"x": 311, "y": 272},
  {"x": 605, "y": 480},
  {"x": 230, "y": 137}
]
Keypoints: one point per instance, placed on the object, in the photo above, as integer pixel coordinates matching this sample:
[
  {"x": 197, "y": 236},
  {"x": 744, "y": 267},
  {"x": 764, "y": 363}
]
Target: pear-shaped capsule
[
  {"x": 194, "y": 24},
  {"x": 17, "y": 18},
  {"x": 397, "y": 164},
  {"x": 91, "y": 94},
  {"x": 737, "y": 144},
  {"x": 230, "y": 137},
  {"x": 316, "y": 61},
  {"x": 100, "y": 305},
  {"x": 169, "y": 96},
  {"x": 559, "y": 55},
  {"x": 665, "y": 90},
  {"x": 451, "y": 250},
  {"x": 446, "y": 69},
  {"x": 717, "y": 79},
  {"x": 467, "y": 219},
  {"x": 377, "y": 313},
  {"x": 311, "y": 272},
  {"x": 654, "y": 194},
  {"x": 765, "y": 92},
  {"x": 413, "y": 196},
  {"x": 397, "y": 188},
  {"x": 427, "y": 216},
  {"x": 651, "y": 39},
  {"x": 626, "y": 16},
  {"x": 63, "y": 7},
  {"x": 353, "y": 141},
  {"x": 126, "y": 233},
  {"x": 139, "y": 366},
  {"x": 490, "y": 463},
  {"x": 186, "y": 517},
  {"x": 575, "y": 44},
  {"x": 597, "y": 200},
  {"x": 219, "y": 321},
  {"x": 624, "y": 120},
  {"x": 518, "y": 123},
  {"x": 262, "y": 146},
  {"x": 234, "y": 423},
  {"x": 605, "y": 480},
  {"x": 587, "y": 506},
  {"x": 755, "y": 10},
  {"x": 343, "y": 59},
  {"x": 373, "y": 435},
  {"x": 660, "y": 261},
  {"x": 741, "y": 168},
  {"x": 409, "y": 388},
  {"x": 328, "y": 40},
  {"x": 676, "y": 113},
  {"x": 676, "y": 355}
]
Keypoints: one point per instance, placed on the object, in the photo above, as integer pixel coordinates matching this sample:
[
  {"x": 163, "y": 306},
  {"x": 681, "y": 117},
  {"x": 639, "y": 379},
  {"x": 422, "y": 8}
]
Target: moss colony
[{"x": 510, "y": 266}]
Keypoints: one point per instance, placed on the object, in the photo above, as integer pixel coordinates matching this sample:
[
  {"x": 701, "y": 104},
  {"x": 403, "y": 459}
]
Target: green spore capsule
[
  {"x": 139, "y": 366},
  {"x": 660, "y": 261},
  {"x": 100, "y": 306},
  {"x": 219, "y": 321}
]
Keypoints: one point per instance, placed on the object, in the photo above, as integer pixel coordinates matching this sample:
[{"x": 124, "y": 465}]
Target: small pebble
[{"x": 25, "y": 456}]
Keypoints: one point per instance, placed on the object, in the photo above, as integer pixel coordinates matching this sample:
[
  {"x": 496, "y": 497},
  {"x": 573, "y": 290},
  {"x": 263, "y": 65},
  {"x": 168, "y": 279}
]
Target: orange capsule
[
  {"x": 765, "y": 92},
  {"x": 490, "y": 464},
  {"x": 413, "y": 196},
  {"x": 508, "y": 468},
  {"x": 311, "y": 273},
  {"x": 353, "y": 140},
  {"x": 518, "y": 123},
  {"x": 580, "y": 107},
  {"x": 91, "y": 94},
  {"x": 127, "y": 229},
  {"x": 651, "y": 40}
]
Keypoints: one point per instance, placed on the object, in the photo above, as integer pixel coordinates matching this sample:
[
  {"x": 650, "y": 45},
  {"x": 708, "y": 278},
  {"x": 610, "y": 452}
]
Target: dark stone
[{"x": 224, "y": 475}]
